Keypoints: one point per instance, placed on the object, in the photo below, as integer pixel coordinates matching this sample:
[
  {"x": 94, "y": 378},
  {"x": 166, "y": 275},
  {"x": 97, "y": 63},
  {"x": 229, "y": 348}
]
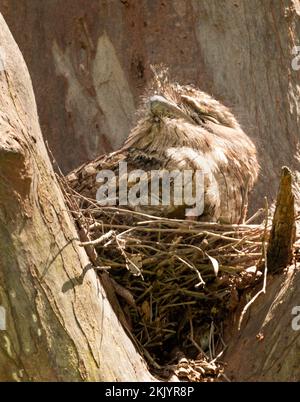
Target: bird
[{"x": 180, "y": 128}]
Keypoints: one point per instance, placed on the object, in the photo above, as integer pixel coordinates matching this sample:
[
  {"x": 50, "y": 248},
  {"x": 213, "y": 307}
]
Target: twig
[{"x": 100, "y": 240}]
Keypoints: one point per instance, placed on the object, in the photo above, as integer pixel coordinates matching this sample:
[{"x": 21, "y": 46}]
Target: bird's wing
[
  {"x": 153, "y": 183},
  {"x": 83, "y": 179}
]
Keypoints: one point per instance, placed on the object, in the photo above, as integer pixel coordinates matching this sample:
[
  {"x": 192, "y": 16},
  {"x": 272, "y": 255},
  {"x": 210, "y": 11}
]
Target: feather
[{"x": 181, "y": 128}]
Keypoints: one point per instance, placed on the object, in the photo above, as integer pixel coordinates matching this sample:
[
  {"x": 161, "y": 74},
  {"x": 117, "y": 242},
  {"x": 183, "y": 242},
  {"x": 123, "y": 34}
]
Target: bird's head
[
  {"x": 168, "y": 108},
  {"x": 169, "y": 99},
  {"x": 161, "y": 107},
  {"x": 190, "y": 125}
]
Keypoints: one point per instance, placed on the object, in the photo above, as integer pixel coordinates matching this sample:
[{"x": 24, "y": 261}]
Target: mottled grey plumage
[{"x": 181, "y": 127}]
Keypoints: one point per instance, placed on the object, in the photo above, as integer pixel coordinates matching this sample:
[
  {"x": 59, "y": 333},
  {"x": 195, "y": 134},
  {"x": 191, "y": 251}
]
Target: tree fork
[{"x": 59, "y": 323}]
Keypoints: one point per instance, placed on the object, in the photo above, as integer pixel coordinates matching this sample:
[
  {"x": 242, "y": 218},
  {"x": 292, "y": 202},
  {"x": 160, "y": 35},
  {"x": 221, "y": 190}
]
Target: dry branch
[{"x": 282, "y": 236}]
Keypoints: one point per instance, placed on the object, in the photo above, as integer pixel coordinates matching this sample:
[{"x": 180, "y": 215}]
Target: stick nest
[{"x": 175, "y": 280}]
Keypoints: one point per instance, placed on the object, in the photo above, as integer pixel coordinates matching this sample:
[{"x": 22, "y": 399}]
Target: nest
[{"x": 175, "y": 280}]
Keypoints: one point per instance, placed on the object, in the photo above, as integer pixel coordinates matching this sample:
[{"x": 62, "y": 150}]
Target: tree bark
[
  {"x": 95, "y": 58},
  {"x": 240, "y": 51},
  {"x": 59, "y": 323},
  {"x": 282, "y": 237},
  {"x": 267, "y": 346}
]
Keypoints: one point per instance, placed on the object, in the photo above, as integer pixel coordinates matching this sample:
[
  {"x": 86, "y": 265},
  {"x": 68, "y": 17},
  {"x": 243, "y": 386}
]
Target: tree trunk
[
  {"x": 59, "y": 323},
  {"x": 267, "y": 346},
  {"x": 92, "y": 66},
  {"x": 240, "y": 51}
]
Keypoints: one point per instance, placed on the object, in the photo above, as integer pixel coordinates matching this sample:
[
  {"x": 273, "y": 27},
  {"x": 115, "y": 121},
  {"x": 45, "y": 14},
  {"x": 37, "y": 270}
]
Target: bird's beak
[{"x": 161, "y": 107}]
